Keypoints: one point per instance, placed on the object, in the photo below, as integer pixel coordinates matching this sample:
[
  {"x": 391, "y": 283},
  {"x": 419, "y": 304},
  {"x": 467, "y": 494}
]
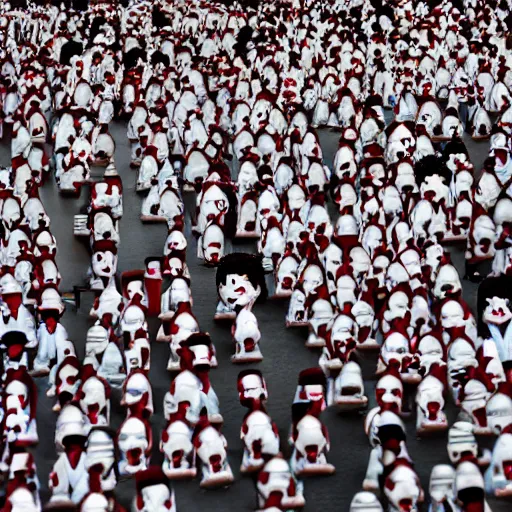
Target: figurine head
[{"x": 240, "y": 280}]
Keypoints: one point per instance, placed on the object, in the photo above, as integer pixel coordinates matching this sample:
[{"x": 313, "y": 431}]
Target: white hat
[
  {"x": 110, "y": 170},
  {"x": 133, "y": 319},
  {"x": 9, "y": 285},
  {"x": 51, "y": 299}
]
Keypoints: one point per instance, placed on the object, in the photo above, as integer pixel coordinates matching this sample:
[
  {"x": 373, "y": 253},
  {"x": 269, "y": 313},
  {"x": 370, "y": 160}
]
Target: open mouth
[
  {"x": 134, "y": 455},
  {"x": 216, "y": 463},
  {"x": 312, "y": 453},
  {"x": 176, "y": 458},
  {"x": 405, "y": 505},
  {"x": 93, "y": 413}
]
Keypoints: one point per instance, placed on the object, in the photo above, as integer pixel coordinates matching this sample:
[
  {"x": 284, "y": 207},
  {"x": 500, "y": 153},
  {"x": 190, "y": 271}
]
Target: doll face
[
  {"x": 359, "y": 261},
  {"x": 313, "y": 278},
  {"x": 254, "y": 388},
  {"x": 499, "y": 412},
  {"x": 247, "y": 176},
  {"x": 343, "y": 336},
  {"x": 463, "y": 182},
  {"x": 398, "y": 304},
  {"x": 377, "y": 173},
  {"x": 411, "y": 262},
  {"x": 497, "y": 311},
  {"x": 238, "y": 291},
  {"x": 180, "y": 292},
  {"x": 347, "y": 195},
  {"x": 176, "y": 241},
  {"x": 372, "y": 238},
  {"x": 67, "y": 379},
  {"x": 133, "y": 442},
  {"x": 104, "y": 264},
  {"x": 94, "y": 399},
  {"x": 452, "y": 315},
  {"x": 395, "y": 348},
  {"x": 389, "y": 392},
  {"x": 332, "y": 260},
  {"x": 100, "y": 449},
  {"x": 391, "y": 201},
  {"x": 135, "y": 288},
  {"x": 296, "y": 197}
]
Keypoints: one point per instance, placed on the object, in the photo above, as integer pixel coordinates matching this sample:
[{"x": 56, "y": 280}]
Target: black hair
[
  {"x": 454, "y": 147},
  {"x": 243, "y": 264},
  {"x": 69, "y": 50},
  {"x": 159, "y": 57},
  {"x": 130, "y": 58},
  {"x": 13, "y": 338},
  {"x": 429, "y": 166}
]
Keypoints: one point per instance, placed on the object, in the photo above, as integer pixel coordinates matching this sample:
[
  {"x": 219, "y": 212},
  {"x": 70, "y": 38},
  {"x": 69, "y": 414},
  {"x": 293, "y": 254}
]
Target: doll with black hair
[
  {"x": 495, "y": 317},
  {"x": 430, "y": 217},
  {"x": 240, "y": 284}
]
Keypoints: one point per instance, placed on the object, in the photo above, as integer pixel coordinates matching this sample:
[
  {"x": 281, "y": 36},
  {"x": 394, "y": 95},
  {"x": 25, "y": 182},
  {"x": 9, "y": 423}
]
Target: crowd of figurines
[{"x": 224, "y": 102}]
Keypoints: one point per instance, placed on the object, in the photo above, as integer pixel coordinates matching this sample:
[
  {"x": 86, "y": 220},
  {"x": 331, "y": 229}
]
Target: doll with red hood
[
  {"x": 134, "y": 441},
  {"x": 499, "y": 414},
  {"x": 137, "y": 395},
  {"x": 430, "y": 216},
  {"x": 430, "y": 398},
  {"x": 67, "y": 381},
  {"x": 272, "y": 242},
  {"x": 344, "y": 379},
  {"x": 241, "y": 283},
  {"x": 178, "y": 291},
  {"x": 247, "y": 185},
  {"x": 93, "y": 396},
  {"x": 51, "y": 334},
  {"x": 108, "y": 193},
  {"x": 108, "y": 306},
  {"x": 319, "y": 311},
  {"x": 216, "y": 200},
  {"x": 480, "y": 249},
  {"x": 476, "y": 389},
  {"x": 211, "y": 449},
  {"x": 15, "y": 315},
  {"x": 69, "y": 479},
  {"x": 192, "y": 385},
  {"x": 311, "y": 279},
  {"x": 495, "y": 177},
  {"x": 175, "y": 250},
  {"x": 22, "y": 475},
  {"x": 258, "y": 433},
  {"x": 396, "y": 352},
  {"x": 177, "y": 328},
  {"x": 19, "y": 403},
  {"x": 14, "y": 352},
  {"x": 310, "y": 441},
  {"x": 103, "y": 264},
  {"x": 153, "y": 492}
]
